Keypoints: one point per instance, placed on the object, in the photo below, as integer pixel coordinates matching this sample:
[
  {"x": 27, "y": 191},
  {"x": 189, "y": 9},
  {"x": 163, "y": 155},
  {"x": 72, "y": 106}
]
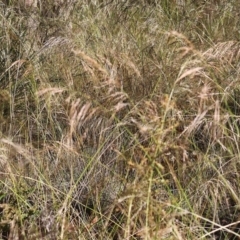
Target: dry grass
[{"x": 119, "y": 120}]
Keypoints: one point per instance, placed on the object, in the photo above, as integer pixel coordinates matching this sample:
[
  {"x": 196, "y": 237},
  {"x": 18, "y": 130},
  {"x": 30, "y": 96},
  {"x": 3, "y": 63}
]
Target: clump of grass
[{"x": 119, "y": 120}]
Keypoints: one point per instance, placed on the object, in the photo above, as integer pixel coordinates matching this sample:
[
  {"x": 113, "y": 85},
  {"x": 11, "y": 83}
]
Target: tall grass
[{"x": 119, "y": 120}]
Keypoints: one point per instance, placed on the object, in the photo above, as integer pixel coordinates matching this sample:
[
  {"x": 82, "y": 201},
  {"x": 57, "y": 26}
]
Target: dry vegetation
[{"x": 119, "y": 119}]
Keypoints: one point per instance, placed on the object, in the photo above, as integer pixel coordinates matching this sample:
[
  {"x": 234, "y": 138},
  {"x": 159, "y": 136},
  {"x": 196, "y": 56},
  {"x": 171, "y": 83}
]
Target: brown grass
[{"x": 119, "y": 120}]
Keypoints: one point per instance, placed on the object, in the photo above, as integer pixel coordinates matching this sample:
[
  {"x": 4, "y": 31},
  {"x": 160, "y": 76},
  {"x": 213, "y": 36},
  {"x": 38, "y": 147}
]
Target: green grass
[{"x": 119, "y": 120}]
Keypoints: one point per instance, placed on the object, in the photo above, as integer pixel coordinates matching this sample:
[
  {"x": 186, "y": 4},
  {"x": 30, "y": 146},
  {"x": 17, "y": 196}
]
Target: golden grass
[{"x": 119, "y": 120}]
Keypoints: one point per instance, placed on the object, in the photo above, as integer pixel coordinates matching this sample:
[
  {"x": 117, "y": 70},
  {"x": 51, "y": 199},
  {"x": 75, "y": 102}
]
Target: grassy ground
[{"x": 119, "y": 119}]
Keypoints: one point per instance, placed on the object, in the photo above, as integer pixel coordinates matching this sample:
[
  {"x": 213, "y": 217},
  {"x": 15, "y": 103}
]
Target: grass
[{"x": 119, "y": 120}]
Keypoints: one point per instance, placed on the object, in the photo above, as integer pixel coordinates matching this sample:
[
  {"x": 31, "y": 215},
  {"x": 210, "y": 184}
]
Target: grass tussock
[{"x": 119, "y": 120}]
